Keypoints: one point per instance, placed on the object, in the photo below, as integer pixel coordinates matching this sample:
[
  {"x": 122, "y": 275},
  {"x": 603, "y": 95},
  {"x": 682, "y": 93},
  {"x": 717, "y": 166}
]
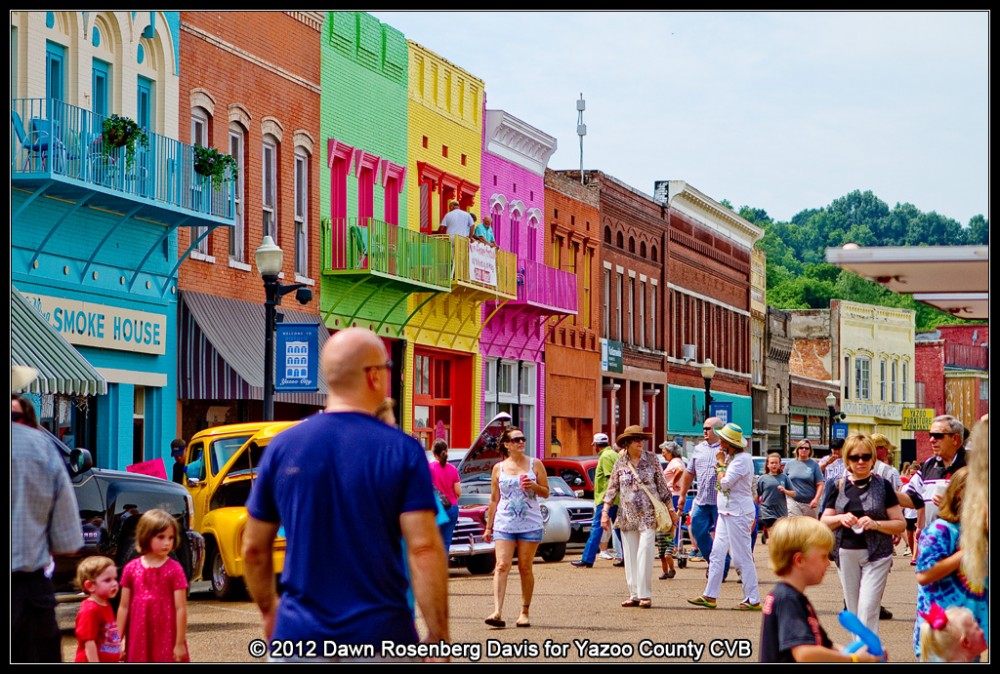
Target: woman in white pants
[
  {"x": 864, "y": 513},
  {"x": 636, "y": 515},
  {"x": 734, "y": 500}
]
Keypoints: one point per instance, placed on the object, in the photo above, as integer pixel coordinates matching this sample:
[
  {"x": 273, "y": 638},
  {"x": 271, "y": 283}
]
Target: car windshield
[
  {"x": 559, "y": 489},
  {"x": 223, "y": 450},
  {"x": 248, "y": 461}
]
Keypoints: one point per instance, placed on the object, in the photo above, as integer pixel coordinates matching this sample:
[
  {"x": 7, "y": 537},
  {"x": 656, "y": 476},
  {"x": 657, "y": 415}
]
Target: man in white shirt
[{"x": 456, "y": 221}]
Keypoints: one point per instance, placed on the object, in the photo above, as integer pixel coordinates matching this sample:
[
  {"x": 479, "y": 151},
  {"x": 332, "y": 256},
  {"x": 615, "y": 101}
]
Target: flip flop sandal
[
  {"x": 645, "y": 603},
  {"x": 702, "y": 601},
  {"x": 496, "y": 621},
  {"x": 630, "y": 603},
  {"x": 523, "y": 622},
  {"x": 746, "y": 606}
]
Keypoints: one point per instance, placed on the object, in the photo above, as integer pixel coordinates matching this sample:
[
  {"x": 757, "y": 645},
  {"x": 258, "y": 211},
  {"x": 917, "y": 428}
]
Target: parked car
[
  {"x": 468, "y": 548},
  {"x": 577, "y": 471},
  {"x": 219, "y": 478},
  {"x": 110, "y": 503}
]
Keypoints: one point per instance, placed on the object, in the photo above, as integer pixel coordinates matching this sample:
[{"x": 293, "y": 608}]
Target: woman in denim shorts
[{"x": 514, "y": 520}]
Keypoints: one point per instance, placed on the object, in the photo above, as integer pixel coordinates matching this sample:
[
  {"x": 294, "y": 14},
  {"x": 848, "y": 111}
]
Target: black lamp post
[
  {"x": 707, "y": 373},
  {"x": 831, "y": 407},
  {"x": 269, "y": 258}
]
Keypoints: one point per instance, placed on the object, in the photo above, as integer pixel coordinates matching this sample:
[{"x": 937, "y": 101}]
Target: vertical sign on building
[{"x": 296, "y": 357}]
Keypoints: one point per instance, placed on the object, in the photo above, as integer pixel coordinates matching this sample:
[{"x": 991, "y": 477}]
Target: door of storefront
[{"x": 441, "y": 398}]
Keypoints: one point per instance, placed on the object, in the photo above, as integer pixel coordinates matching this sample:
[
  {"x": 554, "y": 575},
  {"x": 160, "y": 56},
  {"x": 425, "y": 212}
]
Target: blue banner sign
[
  {"x": 722, "y": 409},
  {"x": 840, "y": 431},
  {"x": 296, "y": 358}
]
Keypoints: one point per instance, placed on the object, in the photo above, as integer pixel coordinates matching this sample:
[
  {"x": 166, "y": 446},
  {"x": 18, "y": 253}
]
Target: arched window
[
  {"x": 620, "y": 240},
  {"x": 631, "y": 244},
  {"x": 607, "y": 235},
  {"x": 642, "y": 249},
  {"x": 654, "y": 254}
]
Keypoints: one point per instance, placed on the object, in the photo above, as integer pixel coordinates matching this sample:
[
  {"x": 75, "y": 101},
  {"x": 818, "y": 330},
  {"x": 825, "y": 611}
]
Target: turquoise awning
[{"x": 61, "y": 368}]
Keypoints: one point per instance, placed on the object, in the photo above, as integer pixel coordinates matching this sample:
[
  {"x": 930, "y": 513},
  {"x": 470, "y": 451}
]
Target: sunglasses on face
[
  {"x": 938, "y": 436},
  {"x": 706, "y": 429},
  {"x": 518, "y": 439},
  {"x": 860, "y": 457}
]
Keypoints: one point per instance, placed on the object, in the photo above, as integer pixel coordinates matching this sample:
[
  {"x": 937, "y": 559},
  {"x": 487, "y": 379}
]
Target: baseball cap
[
  {"x": 601, "y": 439},
  {"x": 177, "y": 446}
]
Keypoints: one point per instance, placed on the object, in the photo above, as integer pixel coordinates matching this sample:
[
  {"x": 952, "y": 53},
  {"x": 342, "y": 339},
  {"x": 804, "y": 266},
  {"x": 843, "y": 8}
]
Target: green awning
[{"x": 61, "y": 368}]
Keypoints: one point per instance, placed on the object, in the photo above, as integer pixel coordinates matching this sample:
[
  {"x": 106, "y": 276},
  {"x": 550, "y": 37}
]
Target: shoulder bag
[{"x": 664, "y": 514}]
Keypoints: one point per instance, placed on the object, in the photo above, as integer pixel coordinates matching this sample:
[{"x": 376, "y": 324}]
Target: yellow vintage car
[{"x": 221, "y": 466}]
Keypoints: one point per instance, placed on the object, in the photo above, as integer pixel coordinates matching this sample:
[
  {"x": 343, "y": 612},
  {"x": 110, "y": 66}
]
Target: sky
[{"x": 776, "y": 110}]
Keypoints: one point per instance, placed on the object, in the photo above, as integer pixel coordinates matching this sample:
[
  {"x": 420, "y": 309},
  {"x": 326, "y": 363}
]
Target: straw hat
[
  {"x": 732, "y": 434},
  {"x": 21, "y": 377},
  {"x": 632, "y": 432}
]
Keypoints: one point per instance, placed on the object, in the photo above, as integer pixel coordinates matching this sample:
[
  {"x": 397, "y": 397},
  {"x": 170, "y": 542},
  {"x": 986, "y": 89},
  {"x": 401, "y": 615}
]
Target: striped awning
[
  {"x": 221, "y": 355},
  {"x": 61, "y": 368}
]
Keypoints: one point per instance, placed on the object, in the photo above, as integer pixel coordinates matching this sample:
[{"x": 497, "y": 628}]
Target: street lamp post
[
  {"x": 831, "y": 407},
  {"x": 708, "y": 373},
  {"x": 269, "y": 258}
]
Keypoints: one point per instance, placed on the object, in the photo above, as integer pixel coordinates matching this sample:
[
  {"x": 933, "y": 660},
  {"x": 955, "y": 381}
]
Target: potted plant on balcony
[
  {"x": 218, "y": 166},
  {"x": 120, "y": 131}
]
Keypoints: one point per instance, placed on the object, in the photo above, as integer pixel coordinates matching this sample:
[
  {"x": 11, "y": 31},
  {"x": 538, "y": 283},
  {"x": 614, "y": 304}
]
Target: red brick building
[
  {"x": 259, "y": 101},
  {"x": 573, "y": 349}
]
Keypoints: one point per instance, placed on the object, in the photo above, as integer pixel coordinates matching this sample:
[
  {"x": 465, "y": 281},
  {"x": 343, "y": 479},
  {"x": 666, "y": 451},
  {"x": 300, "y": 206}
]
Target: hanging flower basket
[
  {"x": 218, "y": 166},
  {"x": 119, "y": 131}
]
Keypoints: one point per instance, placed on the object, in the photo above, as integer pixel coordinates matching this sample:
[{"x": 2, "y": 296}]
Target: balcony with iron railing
[
  {"x": 391, "y": 255},
  {"x": 483, "y": 272},
  {"x": 61, "y": 150},
  {"x": 966, "y": 357},
  {"x": 552, "y": 291}
]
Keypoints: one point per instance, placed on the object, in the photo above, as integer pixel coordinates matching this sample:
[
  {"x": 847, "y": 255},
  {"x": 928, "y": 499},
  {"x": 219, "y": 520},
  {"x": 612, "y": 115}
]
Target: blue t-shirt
[
  {"x": 485, "y": 233},
  {"x": 772, "y": 501},
  {"x": 341, "y": 480},
  {"x": 804, "y": 475}
]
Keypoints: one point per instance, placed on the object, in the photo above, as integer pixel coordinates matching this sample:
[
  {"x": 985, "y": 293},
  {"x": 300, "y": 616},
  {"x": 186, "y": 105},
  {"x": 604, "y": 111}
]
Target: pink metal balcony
[{"x": 545, "y": 287}]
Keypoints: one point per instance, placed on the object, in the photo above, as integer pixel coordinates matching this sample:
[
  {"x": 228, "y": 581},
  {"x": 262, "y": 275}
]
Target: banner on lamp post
[{"x": 296, "y": 357}]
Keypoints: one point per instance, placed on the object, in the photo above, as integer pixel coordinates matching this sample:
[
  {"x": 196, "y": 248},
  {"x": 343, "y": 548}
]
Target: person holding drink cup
[{"x": 514, "y": 521}]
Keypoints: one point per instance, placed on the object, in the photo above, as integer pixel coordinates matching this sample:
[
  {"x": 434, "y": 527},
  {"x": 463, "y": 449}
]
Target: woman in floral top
[{"x": 636, "y": 516}]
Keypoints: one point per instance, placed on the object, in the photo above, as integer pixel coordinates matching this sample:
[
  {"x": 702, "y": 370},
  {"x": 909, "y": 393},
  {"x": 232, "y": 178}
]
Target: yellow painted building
[
  {"x": 443, "y": 369},
  {"x": 874, "y": 358}
]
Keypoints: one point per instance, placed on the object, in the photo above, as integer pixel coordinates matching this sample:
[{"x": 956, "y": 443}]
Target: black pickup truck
[{"x": 110, "y": 503}]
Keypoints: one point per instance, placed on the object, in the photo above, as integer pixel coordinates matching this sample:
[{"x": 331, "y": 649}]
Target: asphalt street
[{"x": 576, "y": 609}]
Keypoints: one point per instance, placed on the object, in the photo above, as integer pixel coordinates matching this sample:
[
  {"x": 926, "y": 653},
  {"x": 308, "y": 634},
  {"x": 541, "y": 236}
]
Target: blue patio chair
[{"x": 35, "y": 145}]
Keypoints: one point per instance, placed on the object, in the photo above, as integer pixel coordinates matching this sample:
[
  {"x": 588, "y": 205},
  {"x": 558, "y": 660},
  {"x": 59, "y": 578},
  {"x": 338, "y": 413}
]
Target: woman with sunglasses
[
  {"x": 864, "y": 513},
  {"x": 514, "y": 520}
]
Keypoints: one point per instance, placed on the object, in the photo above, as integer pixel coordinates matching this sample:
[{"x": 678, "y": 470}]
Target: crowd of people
[{"x": 851, "y": 510}]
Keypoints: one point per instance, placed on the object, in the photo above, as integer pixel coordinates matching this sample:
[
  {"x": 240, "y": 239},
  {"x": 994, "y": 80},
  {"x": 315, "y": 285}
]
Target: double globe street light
[{"x": 269, "y": 258}]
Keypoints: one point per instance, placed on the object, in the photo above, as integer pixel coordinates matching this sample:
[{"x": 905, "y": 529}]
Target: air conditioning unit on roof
[{"x": 689, "y": 351}]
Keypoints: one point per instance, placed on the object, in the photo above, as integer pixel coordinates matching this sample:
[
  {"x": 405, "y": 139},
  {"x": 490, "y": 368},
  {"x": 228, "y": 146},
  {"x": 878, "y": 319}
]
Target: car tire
[
  {"x": 552, "y": 552},
  {"x": 481, "y": 564},
  {"x": 224, "y": 586}
]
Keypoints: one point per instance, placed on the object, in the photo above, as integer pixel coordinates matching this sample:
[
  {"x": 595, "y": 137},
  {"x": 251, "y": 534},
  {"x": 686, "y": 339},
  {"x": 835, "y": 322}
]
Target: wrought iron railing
[
  {"x": 53, "y": 139},
  {"x": 368, "y": 244}
]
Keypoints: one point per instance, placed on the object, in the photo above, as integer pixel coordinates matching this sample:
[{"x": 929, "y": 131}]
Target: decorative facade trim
[
  {"x": 303, "y": 139},
  {"x": 679, "y": 195},
  {"x": 200, "y": 98},
  {"x": 239, "y": 114},
  {"x": 271, "y": 126},
  {"x": 518, "y": 142}
]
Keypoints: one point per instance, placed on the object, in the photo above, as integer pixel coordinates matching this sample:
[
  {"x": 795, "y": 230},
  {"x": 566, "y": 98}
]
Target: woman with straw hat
[
  {"x": 636, "y": 479},
  {"x": 734, "y": 499}
]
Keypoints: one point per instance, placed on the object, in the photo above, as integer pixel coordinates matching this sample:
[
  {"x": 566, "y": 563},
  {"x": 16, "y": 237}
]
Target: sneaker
[
  {"x": 580, "y": 564},
  {"x": 619, "y": 562},
  {"x": 884, "y": 613},
  {"x": 606, "y": 555}
]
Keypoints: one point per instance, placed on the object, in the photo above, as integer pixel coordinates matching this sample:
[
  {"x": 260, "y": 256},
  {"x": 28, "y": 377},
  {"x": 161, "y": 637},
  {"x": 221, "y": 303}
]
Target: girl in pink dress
[{"x": 152, "y": 615}]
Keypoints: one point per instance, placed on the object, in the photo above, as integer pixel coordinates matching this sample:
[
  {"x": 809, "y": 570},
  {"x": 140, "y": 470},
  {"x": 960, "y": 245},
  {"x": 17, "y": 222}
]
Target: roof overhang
[{"x": 954, "y": 279}]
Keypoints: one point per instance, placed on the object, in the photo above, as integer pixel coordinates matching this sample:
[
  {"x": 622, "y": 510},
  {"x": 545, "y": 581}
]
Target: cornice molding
[
  {"x": 679, "y": 195},
  {"x": 518, "y": 142}
]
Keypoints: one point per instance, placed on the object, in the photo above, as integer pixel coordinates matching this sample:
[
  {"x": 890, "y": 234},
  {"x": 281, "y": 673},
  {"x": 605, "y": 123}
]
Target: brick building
[
  {"x": 271, "y": 128},
  {"x": 573, "y": 351},
  {"x": 708, "y": 301},
  {"x": 778, "y": 347}
]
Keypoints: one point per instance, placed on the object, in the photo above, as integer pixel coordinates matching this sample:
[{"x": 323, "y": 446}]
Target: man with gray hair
[
  {"x": 704, "y": 511},
  {"x": 927, "y": 485}
]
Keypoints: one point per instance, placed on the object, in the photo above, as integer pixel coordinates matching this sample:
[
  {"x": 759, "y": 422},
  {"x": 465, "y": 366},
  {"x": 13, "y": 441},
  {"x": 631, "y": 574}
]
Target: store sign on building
[
  {"x": 296, "y": 356},
  {"x": 103, "y": 326},
  {"x": 880, "y": 410},
  {"x": 611, "y": 356},
  {"x": 722, "y": 410},
  {"x": 919, "y": 419},
  {"x": 840, "y": 431},
  {"x": 482, "y": 263}
]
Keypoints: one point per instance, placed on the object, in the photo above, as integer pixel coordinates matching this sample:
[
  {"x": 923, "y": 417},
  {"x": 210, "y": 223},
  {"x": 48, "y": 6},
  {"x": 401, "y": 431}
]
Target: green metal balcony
[
  {"x": 381, "y": 252},
  {"x": 58, "y": 150}
]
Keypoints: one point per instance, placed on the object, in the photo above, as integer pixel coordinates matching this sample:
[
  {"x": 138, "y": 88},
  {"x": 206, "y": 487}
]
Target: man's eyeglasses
[
  {"x": 386, "y": 366},
  {"x": 708, "y": 428},
  {"x": 938, "y": 436}
]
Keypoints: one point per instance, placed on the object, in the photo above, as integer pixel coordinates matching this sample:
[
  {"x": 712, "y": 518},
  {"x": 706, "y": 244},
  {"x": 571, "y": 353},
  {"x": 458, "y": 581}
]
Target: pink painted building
[{"x": 512, "y": 194}]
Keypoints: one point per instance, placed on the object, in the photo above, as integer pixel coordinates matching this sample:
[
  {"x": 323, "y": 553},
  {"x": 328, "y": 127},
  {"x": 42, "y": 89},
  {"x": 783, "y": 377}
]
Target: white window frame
[
  {"x": 642, "y": 313},
  {"x": 269, "y": 188},
  {"x": 237, "y": 238},
  {"x": 199, "y": 136},
  {"x": 884, "y": 376},
  {"x": 906, "y": 380},
  {"x": 862, "y": 377},
  {"x": 301, "y": 214},
  {"x": 607, "y": 304},
  {"x": 895, "y": 381}
]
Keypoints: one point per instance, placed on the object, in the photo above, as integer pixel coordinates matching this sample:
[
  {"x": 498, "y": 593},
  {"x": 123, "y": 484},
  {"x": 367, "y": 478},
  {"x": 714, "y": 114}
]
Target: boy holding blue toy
[{"x": 799, "y": 548}]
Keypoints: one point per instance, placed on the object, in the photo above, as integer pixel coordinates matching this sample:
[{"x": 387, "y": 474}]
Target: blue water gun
[{"x": 865, "y": 637}]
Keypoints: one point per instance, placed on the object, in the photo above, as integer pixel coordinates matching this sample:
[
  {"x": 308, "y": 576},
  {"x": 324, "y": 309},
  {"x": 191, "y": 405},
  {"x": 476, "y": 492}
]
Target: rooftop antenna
[{"x": 581, "y": 129}]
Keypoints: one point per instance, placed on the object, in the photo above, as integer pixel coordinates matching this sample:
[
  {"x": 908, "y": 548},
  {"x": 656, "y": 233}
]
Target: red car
[{"x": 578, "y": 471}]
